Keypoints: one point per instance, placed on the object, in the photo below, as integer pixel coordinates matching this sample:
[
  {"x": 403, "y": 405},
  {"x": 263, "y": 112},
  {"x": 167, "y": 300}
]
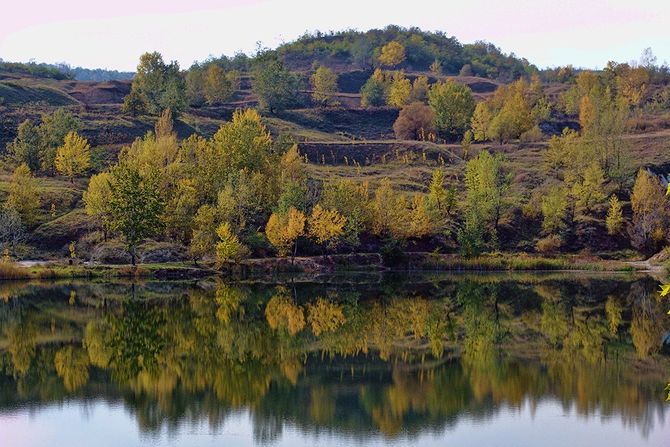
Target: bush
[
  {"x": 550, "y": 244},
  {"x": 533, "y": 135},
  {"x": 415, "y": 122}
]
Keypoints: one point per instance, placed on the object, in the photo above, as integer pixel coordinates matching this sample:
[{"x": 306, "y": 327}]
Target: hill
[{"x": 343, "y": 140}]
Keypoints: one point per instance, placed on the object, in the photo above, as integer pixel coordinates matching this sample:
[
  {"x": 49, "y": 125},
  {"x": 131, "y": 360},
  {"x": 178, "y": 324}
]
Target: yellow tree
[
  {"x": 325, "y": 226},
  {"x": 96, "y": 198},
  {"x": 283, "y": 230},
  {"x": 614, "y": 219},
  {"x": 324, "y": 83},
  {"x": 650, "y": 212},
  {"x": 229, "y": 247},
  {"x": 392, "y": 54},
  {"x": 23, "y": 196},
  {"x": 399, "y": 90},
  {"x": 74, "y": 156}
]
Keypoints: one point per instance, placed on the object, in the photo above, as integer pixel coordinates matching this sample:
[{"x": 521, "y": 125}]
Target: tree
[
  {"x": 453, "y": 106},
  {"x": 325, "y": 226},
  {"x": 650, "y": 212},
  {"x": 415, "y": 122},
  {"x": 283, "y": 230},
  {"x": 352, "y": 201},
  {"x": 275, "y": 87},
  {"x": 97, "y": 199},
  {"x": 486, "y": 184},
  {"x": 324, "y": 85},
  {"x": 614, "y": 219},
  {"x": 481, "y": 121},
  {"x": 440, "y": 201},
  {"x": 632, "y": 83},
  {"x": 195, "y": 86},
  {"x": 372, "y": 93},
  {"x": 399, "y": 90},
  {"x": 54, "y": 128},
  {"x": 554, "y": 210},
  {"x": 136, "y": 205},
  {"x": 203, "y": 241},
  {"x": 157, "y": 85},
  {"x": 588, "y": 192},
  {"x": 219, "y": 86},
  {"x": 420, "y": 89},
  {"x": 23, "y": 196},
  {"x": 73, "y": 157},
  {"x": 12, "y": 231},
  {"x": 392, "y": 54},
  {"x": 134, "y": 103},
  {"x": 229, "y": 247},
  {"x": 513, "y": 119},
  {"x": 27, "y": 146}
]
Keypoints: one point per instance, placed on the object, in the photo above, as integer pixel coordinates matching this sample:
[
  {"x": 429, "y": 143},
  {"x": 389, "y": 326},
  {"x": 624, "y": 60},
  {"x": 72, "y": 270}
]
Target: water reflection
[{"x": 355, "y": 358}]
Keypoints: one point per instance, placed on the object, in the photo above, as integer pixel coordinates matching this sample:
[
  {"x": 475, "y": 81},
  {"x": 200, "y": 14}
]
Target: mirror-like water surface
[{"x": 501, "y": 360}]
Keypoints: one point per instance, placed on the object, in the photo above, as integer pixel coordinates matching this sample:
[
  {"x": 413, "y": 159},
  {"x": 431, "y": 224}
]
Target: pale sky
[{"x": 113, "y": 34}]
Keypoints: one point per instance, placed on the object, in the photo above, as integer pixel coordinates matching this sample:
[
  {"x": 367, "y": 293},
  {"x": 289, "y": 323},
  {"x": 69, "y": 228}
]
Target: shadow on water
[{"x": 358, "y": 356}]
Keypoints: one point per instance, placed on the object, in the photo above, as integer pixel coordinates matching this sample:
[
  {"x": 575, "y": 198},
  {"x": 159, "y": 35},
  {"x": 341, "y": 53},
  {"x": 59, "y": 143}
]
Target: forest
[{"x": 393, "y": 141}]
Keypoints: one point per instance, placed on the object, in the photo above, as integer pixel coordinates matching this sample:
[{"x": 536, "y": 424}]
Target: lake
[{"x": 551, "y": 359}]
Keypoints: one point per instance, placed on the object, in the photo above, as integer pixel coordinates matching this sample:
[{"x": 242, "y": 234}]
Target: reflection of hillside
[{"x": 401, "y": 359}]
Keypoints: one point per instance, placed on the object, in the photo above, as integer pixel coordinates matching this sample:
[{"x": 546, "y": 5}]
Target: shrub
[
  {"x": 415, "y": 122},
  {"x": 549, "y": 244}
]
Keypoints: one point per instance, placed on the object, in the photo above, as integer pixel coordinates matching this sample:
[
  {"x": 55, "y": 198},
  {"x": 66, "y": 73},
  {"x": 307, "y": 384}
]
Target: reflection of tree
[
  {"x": 21, "y": 337},
  {"x": 646, "y": 328},
  {"x": 356, "y": 365},
  {"x": 72, "y": 366},
  {"x": 136, "y": 338}
]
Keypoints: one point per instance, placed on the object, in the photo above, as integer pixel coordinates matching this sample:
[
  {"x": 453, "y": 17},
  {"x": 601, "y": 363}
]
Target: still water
[{"x": 469, "y": 360}]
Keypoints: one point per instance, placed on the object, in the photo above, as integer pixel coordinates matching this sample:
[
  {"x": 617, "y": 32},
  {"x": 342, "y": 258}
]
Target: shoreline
[{"x": 328, "y": 264}]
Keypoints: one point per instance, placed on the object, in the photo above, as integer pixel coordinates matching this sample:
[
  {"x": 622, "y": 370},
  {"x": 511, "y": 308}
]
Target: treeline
[
  {"x": 94, "y": 74},
  {"x": 422, "y": 50},
  {"x": 34, "y": 69}
]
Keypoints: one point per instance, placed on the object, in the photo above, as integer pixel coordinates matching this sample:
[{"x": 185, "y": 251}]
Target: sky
[{"x": 102, "y": 34}]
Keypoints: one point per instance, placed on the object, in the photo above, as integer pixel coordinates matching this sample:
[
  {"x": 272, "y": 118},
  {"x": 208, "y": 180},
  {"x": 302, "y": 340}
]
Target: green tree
[
  {"x": 554, "y": 210},
  {"x": 54, "y": 128},
  {"x": 275, "y": 87},
  {"x": 324, "y": 85},
  {"x": 156, "y": 84},
  {"x": 73, "y": 157},
  {"x": 486, "y": 184},
  {"x": 588, "y": 191},
  {"x": 203, "y": 241},
  {"x": 27, "y": 146},
  {"x": 23, "y": 195},
  {"x": 373, "y": 93},
  {"x": 453, "y": 105},
  {"x": 136, "y": 205}
]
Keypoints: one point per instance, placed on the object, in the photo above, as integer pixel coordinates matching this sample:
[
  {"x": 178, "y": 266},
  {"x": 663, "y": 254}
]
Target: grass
[
  {"x": 11, "y": 271},
  {"x": 511, "y": 262}
]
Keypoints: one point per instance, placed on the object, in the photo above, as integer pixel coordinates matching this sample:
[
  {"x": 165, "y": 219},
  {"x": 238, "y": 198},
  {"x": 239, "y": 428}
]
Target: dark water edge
[{"x": 363, "y": 359}]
